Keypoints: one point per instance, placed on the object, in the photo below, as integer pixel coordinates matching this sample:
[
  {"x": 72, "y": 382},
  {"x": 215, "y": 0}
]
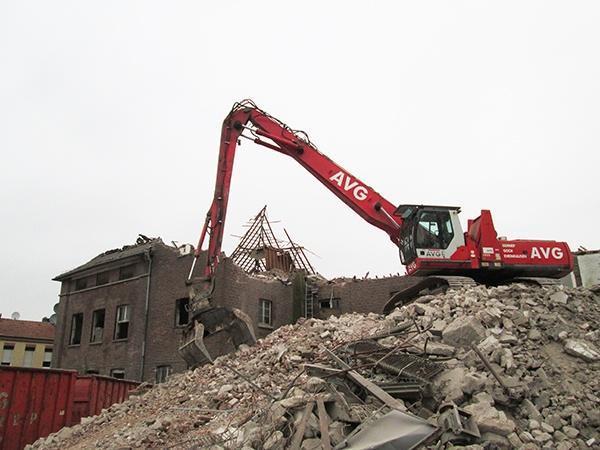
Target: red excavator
[{"x": 432, "y": 244}]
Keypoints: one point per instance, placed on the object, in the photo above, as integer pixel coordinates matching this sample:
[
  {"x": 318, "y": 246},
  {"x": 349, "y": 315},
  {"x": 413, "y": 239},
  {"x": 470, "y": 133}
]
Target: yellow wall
[{"x": 18, "y": 353}]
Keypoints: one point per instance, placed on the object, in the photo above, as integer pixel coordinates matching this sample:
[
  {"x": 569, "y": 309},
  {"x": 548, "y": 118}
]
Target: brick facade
[
  {"x": 150, "y": 278},
  {"x": 355, "y": 295},
  {"x": 158, "y": 278}
]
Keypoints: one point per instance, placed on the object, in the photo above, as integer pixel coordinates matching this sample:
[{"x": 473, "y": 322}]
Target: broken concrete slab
[
  {"x": 582, "y": 349},
  {"x": 463, "y": 331}
]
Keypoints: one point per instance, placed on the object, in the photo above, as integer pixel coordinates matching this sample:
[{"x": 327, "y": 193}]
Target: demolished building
[{"x": 123, "y": 312}]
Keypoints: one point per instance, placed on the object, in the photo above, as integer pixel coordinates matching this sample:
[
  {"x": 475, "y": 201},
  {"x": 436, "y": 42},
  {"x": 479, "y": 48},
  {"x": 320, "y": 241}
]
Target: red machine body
[
  {"x": 430, "y": 238},
  {"x": 487, "y": 258}
]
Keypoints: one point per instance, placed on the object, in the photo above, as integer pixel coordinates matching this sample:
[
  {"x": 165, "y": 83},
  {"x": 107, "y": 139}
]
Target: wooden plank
[
  {"x": 299, "y": 435},
  {"x": 323, "y": 425},
  {"x": 375, "y": 390}
]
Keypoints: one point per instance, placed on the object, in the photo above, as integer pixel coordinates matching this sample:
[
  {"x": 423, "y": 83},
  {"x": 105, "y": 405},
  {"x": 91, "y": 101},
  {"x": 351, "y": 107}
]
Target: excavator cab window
[
  {"x": 426, "y": 229},
  {"x": 434, "y": 229}
]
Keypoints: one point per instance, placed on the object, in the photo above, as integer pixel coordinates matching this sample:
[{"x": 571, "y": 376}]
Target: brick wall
[
  {"x": 362, "y": 296},
  {"x": 235, "y": 289},
  {"x": 169, "y": 274}
]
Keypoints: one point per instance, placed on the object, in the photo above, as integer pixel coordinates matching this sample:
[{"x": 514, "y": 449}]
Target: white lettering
[
  {"x": 360, "y": 193},
  {"x": 350, "y": 184},
  {"x": 347, "y": 184},
  {"x": 546, "y": 252},
  {"x": 338, "y": 178}
]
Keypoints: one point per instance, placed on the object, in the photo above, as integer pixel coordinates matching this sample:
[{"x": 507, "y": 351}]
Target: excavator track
[
  {"x": 435, "y": 284},
  {"x": 536, "y": 281}
]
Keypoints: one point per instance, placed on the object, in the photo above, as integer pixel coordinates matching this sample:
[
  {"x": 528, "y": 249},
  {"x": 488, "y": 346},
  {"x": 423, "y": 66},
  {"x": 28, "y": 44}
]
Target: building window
[
  {"x": 265, "y": 312},
  {"x": 117, "y": 373},
  {"x": 7, "y": 352},
  {"x": 330, "y": 303},
  {"x": 162, "y": 373},
  {"x": 126, "y": 272},
  {"x": 80, "y": 284},
  {"x": 92, "y": 372},
  {"x": 76, "y": 327},
  {"x": 182, "y": 316},
  {"x": 28, "y": 357},
  {"x": 102, "y": 278},
  {"x": 122, "y": 323},
  {"x": 47, "y": 357},
  {"x": 97, "y": 326}
]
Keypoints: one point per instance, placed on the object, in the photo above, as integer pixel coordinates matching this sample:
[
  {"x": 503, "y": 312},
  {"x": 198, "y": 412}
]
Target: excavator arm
[{"x": 247, "y": 121}]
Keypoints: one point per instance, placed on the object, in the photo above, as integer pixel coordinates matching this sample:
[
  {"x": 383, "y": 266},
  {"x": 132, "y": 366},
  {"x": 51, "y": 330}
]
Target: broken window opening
[
  {"x": 117, "y": 373},
  {"x": 102, "y": 278},
  {"x": 330, "y": 303},
  {"x": 122, "y": 322},
  {"x": 126, "y": 272},
  {"x": 7, "y": 353},
  {"x": 182, "y": 315},
  {"x": 76, "y": 327},
  {"x": 97, "y": 326},
  {"x": 265, "y": 312},
  {"x": 47, "y": 357},
  {"x": 162, "y": 373}
]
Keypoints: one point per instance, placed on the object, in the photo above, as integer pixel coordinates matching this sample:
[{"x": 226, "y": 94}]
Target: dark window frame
[
  {"x": 330, "y": 303},
  {"x": 102, "y": 278},
  {"x": 81, "y": 284},
  {"x": 118, "y": 373},
  {"x": 182, "y": 306},
  {"x": 94, "y": 339},
  {"x": 162, "y": 373},
  {"x": 127, "y": 272},
  {"x": 75, "y": 330},
  {"x": 123, "y": 322},
  {"x": 262, "y": 311}
]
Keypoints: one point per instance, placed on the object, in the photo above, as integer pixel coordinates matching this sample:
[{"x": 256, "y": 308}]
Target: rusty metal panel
[
  {"x": 33, "y": 404},
  {"x": 96, "y": 392}
]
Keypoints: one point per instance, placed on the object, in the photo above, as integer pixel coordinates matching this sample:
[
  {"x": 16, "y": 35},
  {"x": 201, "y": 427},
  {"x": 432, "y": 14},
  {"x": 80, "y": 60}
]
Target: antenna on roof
[{"x": 15, "y": 316}]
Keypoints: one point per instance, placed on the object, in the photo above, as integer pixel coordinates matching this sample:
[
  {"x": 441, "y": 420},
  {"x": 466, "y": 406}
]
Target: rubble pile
[{"x": 503, "y": 367}]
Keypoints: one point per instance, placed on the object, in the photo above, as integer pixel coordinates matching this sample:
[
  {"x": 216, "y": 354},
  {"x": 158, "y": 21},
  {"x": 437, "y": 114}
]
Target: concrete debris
[
  {"x": 463, "y": 331},
  {"x": 518, "y": 364},
  {"x": 582, "y": 349}
]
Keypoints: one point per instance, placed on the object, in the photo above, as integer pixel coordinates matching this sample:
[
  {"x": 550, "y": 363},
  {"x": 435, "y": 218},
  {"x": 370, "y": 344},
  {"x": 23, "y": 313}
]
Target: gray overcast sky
[{"x": 110, "y": 116}]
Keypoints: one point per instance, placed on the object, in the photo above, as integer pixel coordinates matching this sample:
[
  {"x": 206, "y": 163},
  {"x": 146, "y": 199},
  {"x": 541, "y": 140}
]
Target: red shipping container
[
  {"x": 95, "y": 392},
  {"x": 33, "y": 404}
]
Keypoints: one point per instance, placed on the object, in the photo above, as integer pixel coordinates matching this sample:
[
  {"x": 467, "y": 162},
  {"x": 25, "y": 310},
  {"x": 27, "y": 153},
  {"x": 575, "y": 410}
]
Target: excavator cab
[{"x": 429, "y": 232}]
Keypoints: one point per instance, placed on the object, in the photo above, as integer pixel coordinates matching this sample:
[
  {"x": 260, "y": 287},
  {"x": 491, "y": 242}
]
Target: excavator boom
[{"x": 248, "y": 121}]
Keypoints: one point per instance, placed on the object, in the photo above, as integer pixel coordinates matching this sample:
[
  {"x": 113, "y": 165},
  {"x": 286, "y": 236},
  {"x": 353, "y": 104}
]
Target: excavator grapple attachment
[{"x": 215, "y": 332}]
